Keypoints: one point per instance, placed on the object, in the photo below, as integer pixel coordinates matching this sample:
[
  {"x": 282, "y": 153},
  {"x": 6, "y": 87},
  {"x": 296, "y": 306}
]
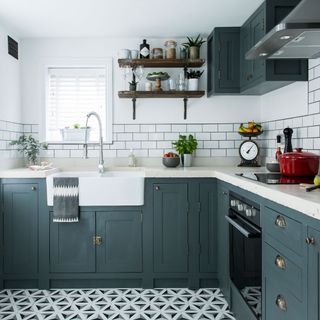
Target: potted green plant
[
  {"x": 185, "y": 147},
  {"x": 193, "y": 46},
  {"x": 133, "y": 85},
  {"x": 193, "y": 77},
  {"x": 30, "y": 147},
  {"x": 76, "y": 133}
]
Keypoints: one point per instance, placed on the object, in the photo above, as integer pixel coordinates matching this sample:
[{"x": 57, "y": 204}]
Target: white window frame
[{"x": 105, "y": 63}]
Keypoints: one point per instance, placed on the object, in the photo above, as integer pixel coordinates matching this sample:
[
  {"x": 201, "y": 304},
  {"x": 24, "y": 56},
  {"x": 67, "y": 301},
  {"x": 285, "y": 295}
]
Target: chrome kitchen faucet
[{"x": 85, "y": 146}]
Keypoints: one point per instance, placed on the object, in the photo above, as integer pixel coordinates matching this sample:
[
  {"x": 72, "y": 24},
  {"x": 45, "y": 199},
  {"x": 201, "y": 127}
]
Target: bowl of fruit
[
  {"x": 253, "y": 129},
  {"x": 170, "y": 160}
]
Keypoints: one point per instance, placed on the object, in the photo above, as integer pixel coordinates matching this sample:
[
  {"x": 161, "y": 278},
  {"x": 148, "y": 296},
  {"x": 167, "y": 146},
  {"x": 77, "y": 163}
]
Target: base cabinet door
[
  {"x": 71, "y": 245},
  {"x": 20, "y": 204},
  {"x": 121, "y": 241},
  {"x": 170, "y": 216},
  {"x": 314, "y": 274},
  {"x": 208, "y": 228}
]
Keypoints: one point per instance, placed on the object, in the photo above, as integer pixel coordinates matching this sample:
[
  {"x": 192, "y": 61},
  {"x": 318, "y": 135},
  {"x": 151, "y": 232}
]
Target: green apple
[{"x": 316, "y": 180}]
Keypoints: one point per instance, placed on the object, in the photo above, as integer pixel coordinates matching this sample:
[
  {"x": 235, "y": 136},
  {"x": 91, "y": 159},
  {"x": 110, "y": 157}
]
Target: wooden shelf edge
[
  {"x": 160, "y": 94},
  {"x": 162, "y": 63}
]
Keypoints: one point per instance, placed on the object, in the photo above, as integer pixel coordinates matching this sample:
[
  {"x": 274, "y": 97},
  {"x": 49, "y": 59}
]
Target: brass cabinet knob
[
  {"x": 311, "y": 241},
  {"x": 281, "y": 303},
  {"x": 97, "y": 240},
  {"x": 280, "y": 262},
  {"x": 280, "y": 222},
  {"x": 157, "y": 188},
  {"x": 225, "y": 193},
  {"x": 33, "y": 188}
]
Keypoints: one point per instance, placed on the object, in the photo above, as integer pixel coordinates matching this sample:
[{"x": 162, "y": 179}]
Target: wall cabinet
[
  {"x": 223, "y": 52},
  {"x": 262, "y": 76},
  {"x": 74, "y": 247}
]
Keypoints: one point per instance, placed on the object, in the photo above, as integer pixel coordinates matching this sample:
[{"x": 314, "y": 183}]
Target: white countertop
[{"x": 292, "y": 196}]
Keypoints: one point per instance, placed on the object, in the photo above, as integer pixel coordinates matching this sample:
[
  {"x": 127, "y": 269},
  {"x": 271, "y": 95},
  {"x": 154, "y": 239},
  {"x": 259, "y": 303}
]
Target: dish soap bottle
[
  {"x": 132, "y": 159},
  {"x": 278, "y": 152},
  {"x": 144, "y": 50}
]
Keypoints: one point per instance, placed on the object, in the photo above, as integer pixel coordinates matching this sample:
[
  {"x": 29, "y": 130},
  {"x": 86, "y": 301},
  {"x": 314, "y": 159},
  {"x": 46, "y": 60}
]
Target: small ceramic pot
[
  {"x": 124, "y": 54},
  {"x": 193, "y": 84},
  {"x": 186, "y": 160},
  {"x": 194, "y": 52},
  {"x": 134, "y": 54}
]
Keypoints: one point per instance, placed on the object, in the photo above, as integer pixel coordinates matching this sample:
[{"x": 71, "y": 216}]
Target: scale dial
[{"x": 249, "y": 151}]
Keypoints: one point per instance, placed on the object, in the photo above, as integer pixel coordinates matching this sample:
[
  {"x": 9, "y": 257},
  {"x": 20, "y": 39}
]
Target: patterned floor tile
[{"x": 114, "y": 304}]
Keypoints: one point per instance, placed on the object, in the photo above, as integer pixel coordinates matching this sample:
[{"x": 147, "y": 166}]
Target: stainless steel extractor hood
[{"x": 296, "y": 37}]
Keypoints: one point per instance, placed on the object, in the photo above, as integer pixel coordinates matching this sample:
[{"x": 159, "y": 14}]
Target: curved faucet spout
[{"x": 85, "y": 146}]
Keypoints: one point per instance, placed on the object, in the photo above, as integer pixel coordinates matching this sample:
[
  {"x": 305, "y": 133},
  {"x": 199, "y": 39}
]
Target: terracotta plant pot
[{"x": 194, "y": 52}]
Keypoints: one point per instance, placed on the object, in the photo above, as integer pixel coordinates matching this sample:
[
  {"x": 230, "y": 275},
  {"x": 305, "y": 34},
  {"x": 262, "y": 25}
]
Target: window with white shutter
[{"x": 72, "y": 93}]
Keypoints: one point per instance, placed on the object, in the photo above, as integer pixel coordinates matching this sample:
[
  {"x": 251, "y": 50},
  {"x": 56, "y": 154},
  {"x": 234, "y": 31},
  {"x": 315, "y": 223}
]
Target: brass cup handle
[
  {"x": 310, "y": 240},
  {"x": 33, "y": 188},
  {"x": 157, "y": 188},
  {"x": 280, "y": 262},
  {"x": 281, "y": 303},
  {"x": 280, "y": 222}
]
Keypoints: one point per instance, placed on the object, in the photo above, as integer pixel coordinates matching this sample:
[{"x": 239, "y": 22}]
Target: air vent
[{"x": 13, "y": 47}]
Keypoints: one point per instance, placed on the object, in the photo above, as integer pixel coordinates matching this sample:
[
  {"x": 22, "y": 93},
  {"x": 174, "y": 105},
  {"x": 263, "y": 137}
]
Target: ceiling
[{"x": 121, "y": 18}]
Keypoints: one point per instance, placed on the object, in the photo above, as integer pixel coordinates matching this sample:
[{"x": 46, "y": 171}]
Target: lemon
[{"x": 316, "y": 180}]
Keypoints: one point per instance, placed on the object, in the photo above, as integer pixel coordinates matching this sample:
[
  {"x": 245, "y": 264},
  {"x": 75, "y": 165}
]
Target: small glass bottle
[
  {"x": 278, "y": 152},
  {"x": 132, "y": 160}
]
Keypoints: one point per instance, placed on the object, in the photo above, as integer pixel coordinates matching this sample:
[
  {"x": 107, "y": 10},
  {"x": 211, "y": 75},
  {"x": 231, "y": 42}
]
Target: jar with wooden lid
[
  {"x": 157, "y": 53},
  {"x": 170, "y": 49}
]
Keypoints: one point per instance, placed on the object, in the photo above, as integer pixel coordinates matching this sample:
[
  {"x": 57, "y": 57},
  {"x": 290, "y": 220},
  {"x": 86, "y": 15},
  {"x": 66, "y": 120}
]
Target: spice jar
[
  {"x": 170, "y": 49},
  {"x": 157, "y": 53}
]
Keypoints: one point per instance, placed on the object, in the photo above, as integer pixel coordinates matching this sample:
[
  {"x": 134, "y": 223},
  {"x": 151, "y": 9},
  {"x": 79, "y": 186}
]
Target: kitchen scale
[{"x": 249, "y": 150}]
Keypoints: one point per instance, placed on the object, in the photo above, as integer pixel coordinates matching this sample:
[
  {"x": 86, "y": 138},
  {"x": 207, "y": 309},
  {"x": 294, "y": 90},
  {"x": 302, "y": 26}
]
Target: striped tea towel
[{"x": 65, "y": 199}]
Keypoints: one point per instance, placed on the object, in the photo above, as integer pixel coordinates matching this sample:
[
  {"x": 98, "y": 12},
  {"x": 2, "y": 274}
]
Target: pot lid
[{"x": 299, "y": 154}]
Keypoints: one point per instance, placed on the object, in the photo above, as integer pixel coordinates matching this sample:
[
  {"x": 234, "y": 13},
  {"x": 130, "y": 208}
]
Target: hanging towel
[{"x": 65, "y": 199}]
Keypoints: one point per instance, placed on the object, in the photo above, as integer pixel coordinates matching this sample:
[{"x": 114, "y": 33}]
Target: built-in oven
[{"x": 245, "y": 250}]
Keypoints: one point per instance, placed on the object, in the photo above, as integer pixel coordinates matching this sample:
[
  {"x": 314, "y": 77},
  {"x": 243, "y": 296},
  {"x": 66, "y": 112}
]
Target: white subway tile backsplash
[
  {"x": 218, "y": 136},
  {"x": 226, "y": 144},
  {"x": 140, "y": 136},
  {"x": 210, "y": 128},
  {"x": 307, "y": 121},
  {"x": 164, "y": 144},
  {"x": 203, "y": 153},
  {"x": 156, "y": 136},
  {"x": 307, "y": 143},
  {"x": 313, "y": 132},
  {"x": 210, "y": 144},
  {"x": 124, "y": 136},
  {"x": 164, "y": 128},
  {"x": 62, "y": 153},
  {"x": 133, "y": 145},
  {"x": 173, "y": 136},
  {"x": 147, "y": 127},
  {"x": 191, "y": 128},
  {"x": 225, "y": 127},
  {"x": 155, "y": 153},
  {"x": 314, "y": 107},
  {"x": 218, "y": 152},
  {"x": 202, "y": 136},
  {"x": 118, "y": 128},
  {"x": 314, "y": 84},
  {"x": 179, "y": 128},
  {"x": 132, "y": 128},
  {"x": 148, "y": 144}
]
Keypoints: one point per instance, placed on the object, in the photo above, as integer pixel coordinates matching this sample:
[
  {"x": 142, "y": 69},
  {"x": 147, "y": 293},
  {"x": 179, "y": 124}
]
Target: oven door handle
[{"x": 247, "y": 233}]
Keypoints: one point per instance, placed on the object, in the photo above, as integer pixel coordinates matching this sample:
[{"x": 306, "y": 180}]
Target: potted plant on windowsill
[
  {"x": 193, "y": 77},
  {"x": 193, "y": 46},
  {"x": 76, "y": 133},
  {"x": 29, "y": 147},
  {"x": 185, "y": 147}
]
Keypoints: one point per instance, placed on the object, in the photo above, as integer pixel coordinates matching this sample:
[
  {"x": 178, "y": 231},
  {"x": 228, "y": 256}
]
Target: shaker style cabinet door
[
  {"x": 20, "y": 204},
  {"x": 170, "y": 214},
  {"x": 208, "y": 228},
  {"x": 71, "y": 245},
  {"x": 120, "y": 249}
]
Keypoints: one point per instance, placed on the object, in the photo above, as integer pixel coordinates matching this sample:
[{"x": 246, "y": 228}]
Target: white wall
[
  {"x": 36, "y": 52},
  {"x": 10, "y": 108}
]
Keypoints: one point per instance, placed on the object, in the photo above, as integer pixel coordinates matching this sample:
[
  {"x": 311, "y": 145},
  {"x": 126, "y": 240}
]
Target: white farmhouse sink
[{"x": 112, "y": 188}]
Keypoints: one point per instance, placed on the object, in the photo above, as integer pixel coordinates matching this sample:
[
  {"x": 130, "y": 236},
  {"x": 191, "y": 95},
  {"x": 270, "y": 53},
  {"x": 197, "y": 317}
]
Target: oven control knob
[
  {"x": 249, "y": 212},
  {"x": 240, "y": 207},
  {"x": 233, "y": 203},
  {"x": 254, "y": 212}
]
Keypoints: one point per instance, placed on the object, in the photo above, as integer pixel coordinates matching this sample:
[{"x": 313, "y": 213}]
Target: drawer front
[
  {"x": 280, "y": 304},
  {"x": 284, "y": 229},
  {"x": 283, "y": 270}
]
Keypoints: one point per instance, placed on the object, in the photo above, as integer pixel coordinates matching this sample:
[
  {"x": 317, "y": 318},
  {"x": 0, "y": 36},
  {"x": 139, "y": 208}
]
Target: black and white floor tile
[
  {"x": 253, "y": 297},
  {"x": 114, "y": 304}
]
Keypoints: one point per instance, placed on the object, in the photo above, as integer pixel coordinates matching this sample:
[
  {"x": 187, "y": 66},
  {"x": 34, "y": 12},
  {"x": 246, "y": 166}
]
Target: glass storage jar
[
  {"x": 170, "y": 49},
  {"x": 157, "y": 53}
]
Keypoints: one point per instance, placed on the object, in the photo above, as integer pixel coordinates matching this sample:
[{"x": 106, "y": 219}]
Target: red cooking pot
[{"x": 299, "y": 164}]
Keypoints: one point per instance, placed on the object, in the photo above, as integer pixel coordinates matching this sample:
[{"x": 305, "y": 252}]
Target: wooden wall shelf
[
  {"x": 185, "y": 95},
  {"x": 162, "y": 63}
]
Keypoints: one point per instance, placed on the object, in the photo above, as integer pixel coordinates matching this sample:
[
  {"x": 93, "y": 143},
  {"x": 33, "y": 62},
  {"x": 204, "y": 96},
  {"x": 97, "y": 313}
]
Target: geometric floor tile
[
  {"x": 252, "y": 295},
  {"x": 114, "y": 304}
]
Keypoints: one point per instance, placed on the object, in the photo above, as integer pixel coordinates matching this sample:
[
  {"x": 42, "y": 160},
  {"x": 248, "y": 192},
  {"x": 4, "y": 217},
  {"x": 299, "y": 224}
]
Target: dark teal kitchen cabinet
[
  {"x": 208, "y": 227},
  {"x": 223, "y": 240},
  {"x": 313, "y": 239},
  {"x": 170, "y": 214},
  {"x": 20, "y": 228},
  {"x": 261, "y": 76},
  {"x": 121, "y": 241},
  {"x": 223, "y": 51},
  {"x": 71, "y": 245}
]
